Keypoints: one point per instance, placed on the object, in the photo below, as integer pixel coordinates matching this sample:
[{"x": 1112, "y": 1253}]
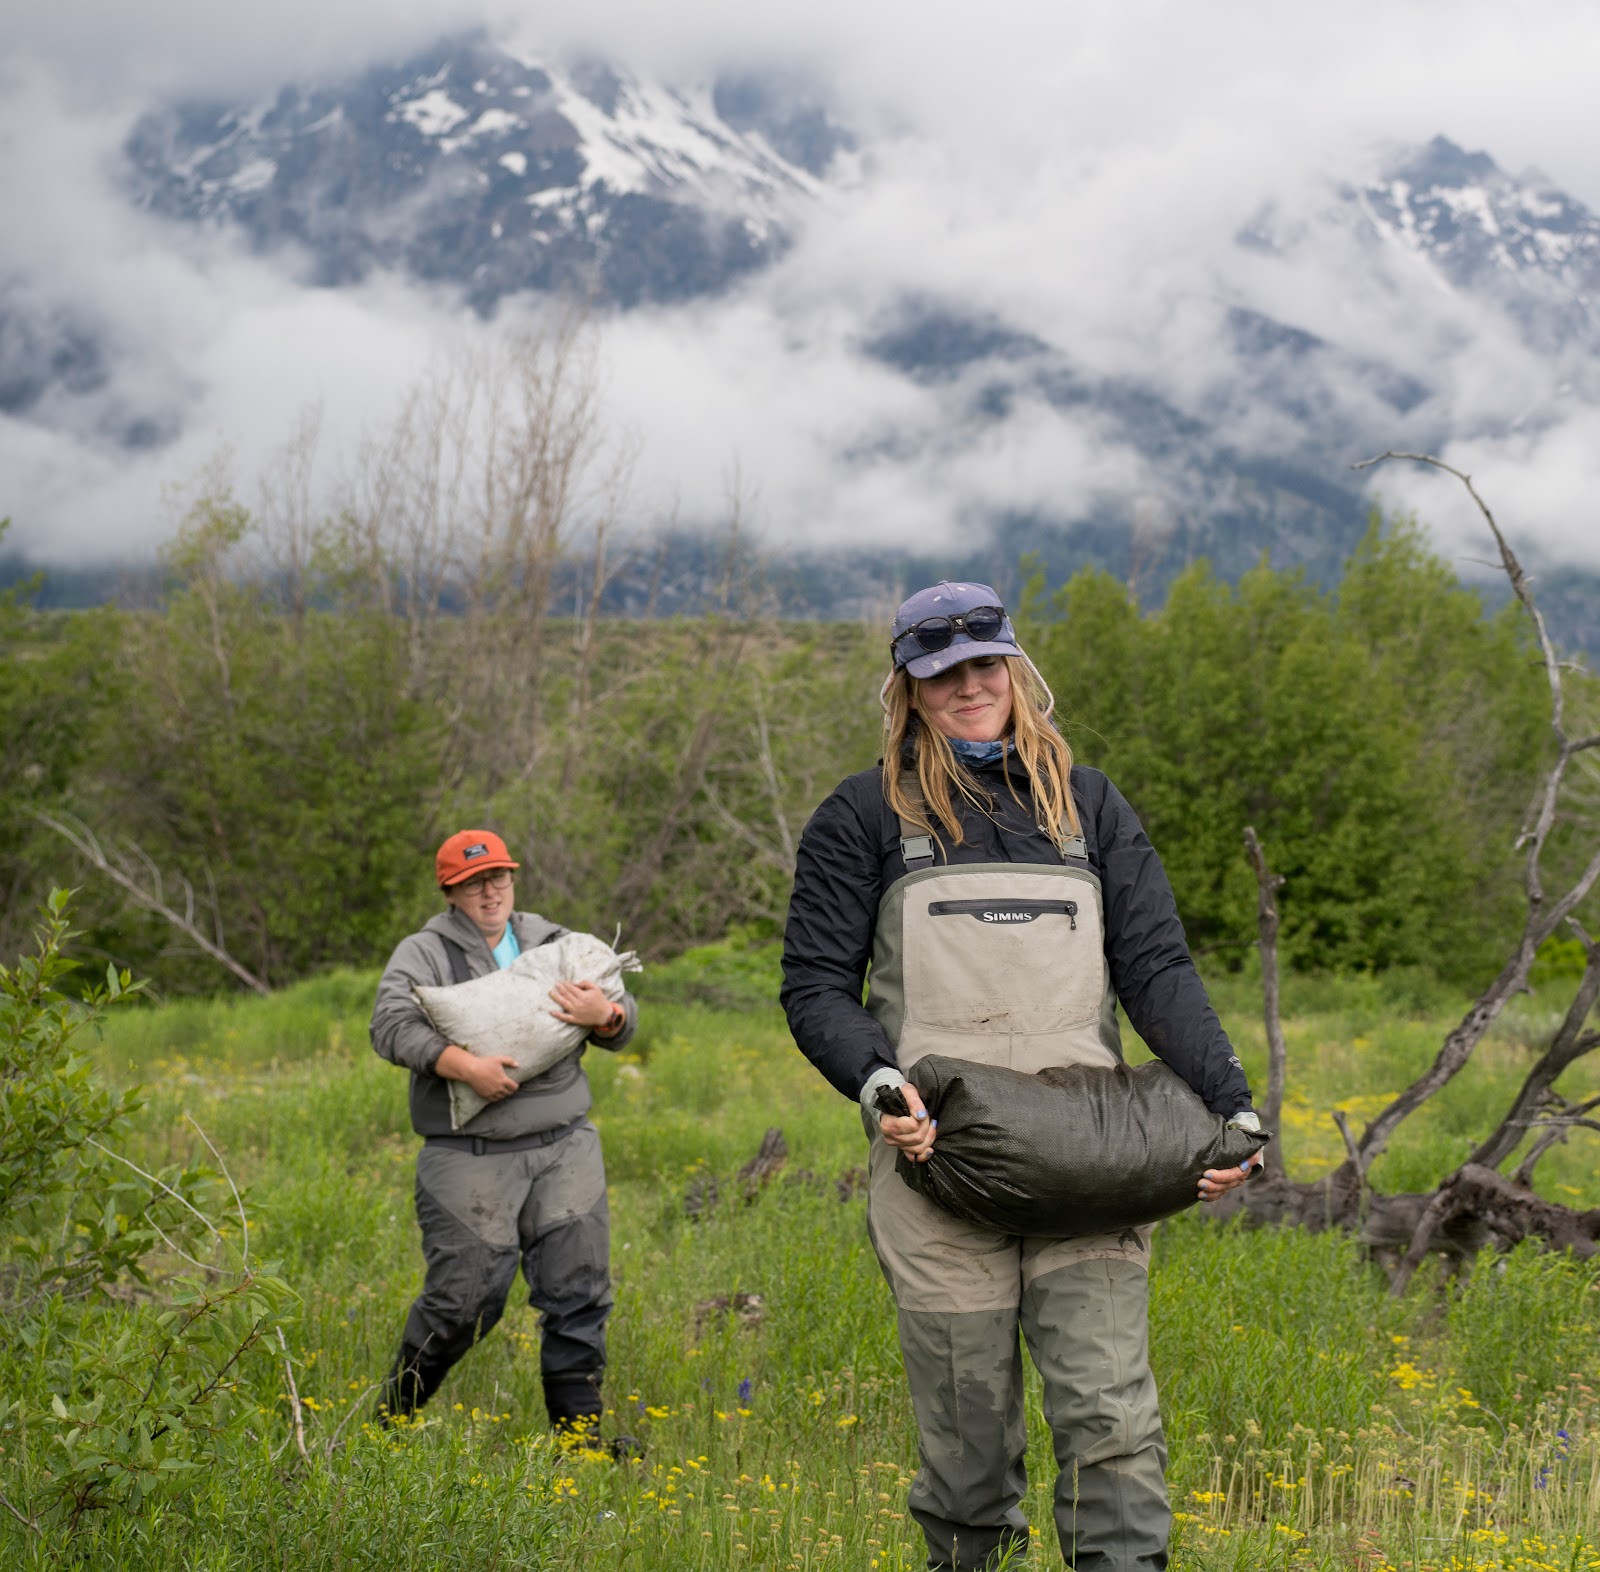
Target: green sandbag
[{"x": 1084, "y": 1149}]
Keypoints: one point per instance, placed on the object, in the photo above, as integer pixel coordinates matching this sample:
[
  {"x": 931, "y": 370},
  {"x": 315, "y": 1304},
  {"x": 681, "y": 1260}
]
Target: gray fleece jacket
[{"x": 403, "y": 1034}]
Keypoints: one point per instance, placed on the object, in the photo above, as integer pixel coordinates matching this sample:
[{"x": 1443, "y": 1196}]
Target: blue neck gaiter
[{"x": 976, "y": 753}]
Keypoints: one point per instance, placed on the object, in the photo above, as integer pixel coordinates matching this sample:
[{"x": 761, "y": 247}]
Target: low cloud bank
[{"x": 1080, "y": 178}]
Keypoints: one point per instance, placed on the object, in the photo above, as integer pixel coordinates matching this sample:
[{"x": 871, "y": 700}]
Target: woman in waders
[{"x": 1005, "y": 902}]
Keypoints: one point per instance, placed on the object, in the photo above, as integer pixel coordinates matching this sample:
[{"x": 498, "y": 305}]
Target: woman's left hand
[
  {"x": 581, "y": 1004},
  {"x": 1215, "y": 1182}
]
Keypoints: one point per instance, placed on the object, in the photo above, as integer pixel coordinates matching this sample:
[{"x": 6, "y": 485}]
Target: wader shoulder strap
[
  {"x": 916, "y": 845},
  {"x": 460, "y": 972}
]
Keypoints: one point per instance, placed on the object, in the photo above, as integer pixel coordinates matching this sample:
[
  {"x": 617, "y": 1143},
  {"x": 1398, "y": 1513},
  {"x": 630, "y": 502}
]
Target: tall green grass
[{"x": 1313, "y": 1421}]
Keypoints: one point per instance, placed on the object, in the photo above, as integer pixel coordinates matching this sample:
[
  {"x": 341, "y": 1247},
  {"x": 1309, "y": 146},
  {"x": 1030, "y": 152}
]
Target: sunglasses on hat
[{"x": 933, "y": 634}]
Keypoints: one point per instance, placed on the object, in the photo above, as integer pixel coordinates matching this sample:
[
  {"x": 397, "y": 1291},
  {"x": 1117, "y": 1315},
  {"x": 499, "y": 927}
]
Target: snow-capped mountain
[
  {"x": 1512, "y": 238},
  {"x": 481, "y": 166},
  {"x": 1259, "y": 457},
  {"x": 485, "y": 171}
]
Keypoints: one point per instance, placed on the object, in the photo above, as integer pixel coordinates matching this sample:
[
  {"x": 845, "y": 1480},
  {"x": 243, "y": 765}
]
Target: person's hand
[
  {"x": 1215, "y": 1182},
  {"x": 486, "y": 1076},
  {"x": 582, "y": 1004},
  {"x": 913, "y": 1135}
]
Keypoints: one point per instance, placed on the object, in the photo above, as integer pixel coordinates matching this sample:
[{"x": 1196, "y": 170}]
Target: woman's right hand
[
  {"x": 912, "y": 1135},
  {"x": 486, "y": 1076}
]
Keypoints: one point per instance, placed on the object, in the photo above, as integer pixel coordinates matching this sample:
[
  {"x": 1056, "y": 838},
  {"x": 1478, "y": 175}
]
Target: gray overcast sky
[
  {"x": 1068, "y": 164},
  {"x": 1517, "y": 78}
]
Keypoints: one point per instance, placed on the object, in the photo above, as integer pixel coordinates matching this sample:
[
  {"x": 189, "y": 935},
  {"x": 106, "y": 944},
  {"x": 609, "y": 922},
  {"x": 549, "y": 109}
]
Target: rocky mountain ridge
[
  {"x": 1513, "y": 238},
  {"x": 483, "y": 166}
]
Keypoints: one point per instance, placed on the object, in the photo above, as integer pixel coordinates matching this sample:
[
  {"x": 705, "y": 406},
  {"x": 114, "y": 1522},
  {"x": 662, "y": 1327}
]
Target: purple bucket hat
[{"x": 948, "y": 600}]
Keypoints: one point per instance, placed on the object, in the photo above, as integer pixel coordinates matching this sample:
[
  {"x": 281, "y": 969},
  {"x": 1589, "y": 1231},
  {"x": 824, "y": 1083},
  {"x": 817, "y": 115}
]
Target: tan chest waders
[
  {"x": 1004, "y": 964},
  {"x": 997, "y": 963}
]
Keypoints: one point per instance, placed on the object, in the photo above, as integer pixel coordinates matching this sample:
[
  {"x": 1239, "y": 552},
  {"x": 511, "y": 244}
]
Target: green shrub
[{"x": 109, "y": 1403}]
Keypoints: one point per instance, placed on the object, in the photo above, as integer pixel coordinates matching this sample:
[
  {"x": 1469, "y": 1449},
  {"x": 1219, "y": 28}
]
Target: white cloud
[
  {"x": 1077, "y": 171},
  {"x": 1540, "y": 485}
]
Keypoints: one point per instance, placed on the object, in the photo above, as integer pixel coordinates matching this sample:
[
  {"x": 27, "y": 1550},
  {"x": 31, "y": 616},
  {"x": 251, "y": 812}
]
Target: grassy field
[{"x": 1313, "y": 1422}]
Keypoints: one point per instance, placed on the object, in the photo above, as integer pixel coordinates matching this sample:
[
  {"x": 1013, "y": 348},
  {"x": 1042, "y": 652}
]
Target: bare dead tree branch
[
  {"x": 159, "y": 1184},
  {"x": 769, "y": 774},
  {"x": 84, "y": 841},
  {"x": 1342, "y": 1120},
  {"x": 1556, "y": 1127},
  {"x": 1513, "y": 569},
  {"x": 1542, "y": 918},
  {"x": 357, "y": 1404},
  {"x": 1559, "y": 1115},
  {"x": 736, "y": 826},
  {"x": 294, "y": 1397},
  {"x": 238, "y": 1200},
  {"x": 1523, "y": 1173},
  {"x": 634, "y": 888},
  {"x": 1476, "y": 1207},
  {"x": 1441, "y": 1205},
  {"x": 1268, "y": 884},
  {"x": 1565, "y": 1122},
  {"x": 1570, "y": 1043},
  {"x": 30, "y": 1523},
  {"x": 183, "y": 1255}
]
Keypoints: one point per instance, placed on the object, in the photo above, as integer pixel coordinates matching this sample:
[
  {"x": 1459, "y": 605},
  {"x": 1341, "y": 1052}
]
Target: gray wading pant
[
  {"x": 1081, "y": 1306},
  {"x": 482, "y": 1215}
]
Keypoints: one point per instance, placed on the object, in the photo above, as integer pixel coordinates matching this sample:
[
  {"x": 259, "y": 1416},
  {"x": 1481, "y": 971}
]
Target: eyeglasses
[
  {"x": 933, "y": 634},
  {"x": 495, "y": 879}
]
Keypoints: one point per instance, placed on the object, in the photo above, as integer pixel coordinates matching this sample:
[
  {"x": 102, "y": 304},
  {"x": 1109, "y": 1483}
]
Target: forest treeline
[{"x": 273, "y": 755}]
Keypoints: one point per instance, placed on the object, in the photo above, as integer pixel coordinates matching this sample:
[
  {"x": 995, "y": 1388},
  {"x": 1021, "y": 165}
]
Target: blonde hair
[{"x": 1040, "y": 748}]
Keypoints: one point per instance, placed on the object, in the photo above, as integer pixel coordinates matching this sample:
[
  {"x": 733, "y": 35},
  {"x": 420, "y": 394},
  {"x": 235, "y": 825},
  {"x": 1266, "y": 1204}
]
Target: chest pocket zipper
[{"x": 1001, "y": 913}]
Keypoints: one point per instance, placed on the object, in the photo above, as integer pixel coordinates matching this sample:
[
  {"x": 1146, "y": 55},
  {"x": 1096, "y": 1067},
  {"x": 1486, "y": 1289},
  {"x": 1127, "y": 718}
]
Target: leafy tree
[
  {"x": 59, "y": 677},
  {"x": 308, "y": 773},
  {"x": 1332, "y": 721},
  {"x": 290, "y": 744}
]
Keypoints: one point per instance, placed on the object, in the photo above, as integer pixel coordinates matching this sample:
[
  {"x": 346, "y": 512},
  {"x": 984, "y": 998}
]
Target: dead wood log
[
  {"x": 1486, "y": 1208},
  {"x": 750, "y": 1309},
  {"x": 703, "y": 1194},
  {"x": 1474, "y": 1208},
  {"x": 759, "y": 1172}
]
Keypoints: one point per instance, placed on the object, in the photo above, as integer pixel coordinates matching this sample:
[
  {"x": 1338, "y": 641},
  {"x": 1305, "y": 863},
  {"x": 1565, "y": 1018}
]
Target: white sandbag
[{"x": 508, "y": 1012}]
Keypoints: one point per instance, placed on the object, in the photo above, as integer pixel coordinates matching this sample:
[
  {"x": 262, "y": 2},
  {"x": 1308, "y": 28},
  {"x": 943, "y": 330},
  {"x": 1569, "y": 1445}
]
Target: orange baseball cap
[{"x": 468, "y": 853}]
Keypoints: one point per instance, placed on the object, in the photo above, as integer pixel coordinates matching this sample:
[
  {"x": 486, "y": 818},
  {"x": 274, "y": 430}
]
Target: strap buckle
[{"x": 917, "y": 851}]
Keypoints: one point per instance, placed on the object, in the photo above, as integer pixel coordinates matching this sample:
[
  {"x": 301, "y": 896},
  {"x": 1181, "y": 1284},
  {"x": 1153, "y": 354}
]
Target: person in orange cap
[{"x": 524, "y": 1182}]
